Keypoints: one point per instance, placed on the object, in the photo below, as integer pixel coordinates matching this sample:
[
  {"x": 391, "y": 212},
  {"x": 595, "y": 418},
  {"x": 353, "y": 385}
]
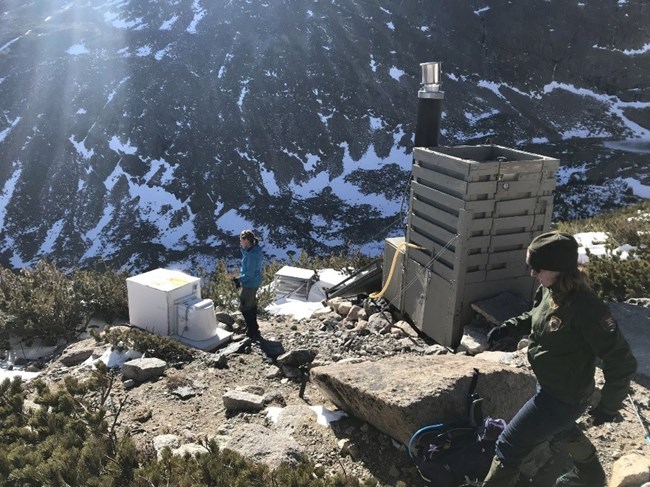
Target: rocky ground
[{"x": 188, "y": 401}]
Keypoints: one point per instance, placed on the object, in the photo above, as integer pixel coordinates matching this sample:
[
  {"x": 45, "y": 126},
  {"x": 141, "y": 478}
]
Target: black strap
[{"x": 474, "y": 410}]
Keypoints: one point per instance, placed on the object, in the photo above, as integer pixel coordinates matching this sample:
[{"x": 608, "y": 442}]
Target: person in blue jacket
[
  {"x": 249, "y": 280},
  {"x": 570, "y": 330}
]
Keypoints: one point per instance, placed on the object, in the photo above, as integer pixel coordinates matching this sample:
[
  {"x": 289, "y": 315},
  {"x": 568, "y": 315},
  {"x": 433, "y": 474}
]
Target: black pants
[
  {"x": 543, "y": 417},
  {"x": 248, "y": 308}
]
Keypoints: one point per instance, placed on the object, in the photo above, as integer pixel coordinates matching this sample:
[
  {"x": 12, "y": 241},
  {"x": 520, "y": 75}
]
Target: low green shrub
[
  {"x": 38, "y": 303},
  {"x": 612, "y": 278},
  {"x": 150, "y": 344},
  {"x": 71, "y": 440},
  {"x": 219, "y": 287},
  {"x": 629, "y": 225},
  {"x": 102, "y": 294},
  {"x": 615, "y": 279},
  {"x": 45, "y": 303}
]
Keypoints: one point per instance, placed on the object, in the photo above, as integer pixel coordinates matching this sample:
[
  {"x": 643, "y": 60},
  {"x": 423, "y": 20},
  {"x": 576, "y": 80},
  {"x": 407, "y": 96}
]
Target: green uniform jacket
[{"x": 565, "y": 343}]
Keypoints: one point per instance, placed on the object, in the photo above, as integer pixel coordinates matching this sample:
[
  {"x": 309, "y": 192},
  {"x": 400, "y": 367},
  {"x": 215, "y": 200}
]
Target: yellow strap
[{"x": 392, "y": 268}]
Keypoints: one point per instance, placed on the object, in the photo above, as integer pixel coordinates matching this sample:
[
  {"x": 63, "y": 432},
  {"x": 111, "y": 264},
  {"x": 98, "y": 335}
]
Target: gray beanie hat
[{"x": 553, "y": 251}]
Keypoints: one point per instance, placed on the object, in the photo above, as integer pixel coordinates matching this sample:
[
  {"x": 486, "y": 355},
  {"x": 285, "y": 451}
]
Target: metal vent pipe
[{"x": 427, "y": 129}]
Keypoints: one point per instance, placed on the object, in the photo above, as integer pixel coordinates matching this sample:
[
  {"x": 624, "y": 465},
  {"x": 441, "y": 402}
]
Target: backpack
[{"x": 450, "y": 454}]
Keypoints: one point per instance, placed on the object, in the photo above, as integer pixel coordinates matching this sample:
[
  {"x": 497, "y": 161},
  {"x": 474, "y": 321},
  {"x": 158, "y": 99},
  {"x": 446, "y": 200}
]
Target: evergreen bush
[
  {"x": 102, "y": 294},
  {"x": 613, "y": 278},
  {"x": 219, "y": 287},
  {"x": 149, "y": 344},
  {"x": 71, "y": 440},
  {"x": 38, "y": 303}
]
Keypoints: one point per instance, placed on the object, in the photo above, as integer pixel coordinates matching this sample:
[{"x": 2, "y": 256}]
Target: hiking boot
[
  {"x": 252, "y": 328},
  {"x": 254, "y": 335},
  {"x": 501, "y": 475},
  {"x": 585, "y": 474}
]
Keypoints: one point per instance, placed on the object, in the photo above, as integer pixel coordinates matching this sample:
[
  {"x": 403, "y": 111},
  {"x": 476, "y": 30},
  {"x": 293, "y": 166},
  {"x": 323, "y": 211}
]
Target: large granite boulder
[
  {"x": 401, "y": 394},
  {"x": 262, "y": 445}
]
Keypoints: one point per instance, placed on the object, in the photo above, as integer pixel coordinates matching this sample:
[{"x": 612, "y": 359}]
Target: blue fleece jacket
[{"x": 250, "y": 271}]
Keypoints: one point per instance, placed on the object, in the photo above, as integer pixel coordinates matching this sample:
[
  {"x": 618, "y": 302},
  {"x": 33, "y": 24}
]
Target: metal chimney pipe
[{"x": 427, "y": 129}]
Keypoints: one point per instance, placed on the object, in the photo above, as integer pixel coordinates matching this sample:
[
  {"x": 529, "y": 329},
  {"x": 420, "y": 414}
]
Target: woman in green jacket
[{"x": 570, "y": 328}]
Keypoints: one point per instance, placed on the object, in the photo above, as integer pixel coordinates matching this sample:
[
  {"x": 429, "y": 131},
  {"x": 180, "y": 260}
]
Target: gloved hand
[
  {"x": 236, "y": 282},
  {"x": 600, "y": 417},
  {"x": 497, "y": 333}
]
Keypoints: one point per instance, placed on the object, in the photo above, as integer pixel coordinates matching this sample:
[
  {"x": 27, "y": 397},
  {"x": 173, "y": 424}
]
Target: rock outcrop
[{"x": 401, "y": 394}]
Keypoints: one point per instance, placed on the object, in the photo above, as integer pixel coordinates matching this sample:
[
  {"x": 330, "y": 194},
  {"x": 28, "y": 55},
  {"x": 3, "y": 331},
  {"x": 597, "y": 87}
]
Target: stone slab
[
  {"x": 634, "y": 322},
  {"x": 400, "y": 394}
]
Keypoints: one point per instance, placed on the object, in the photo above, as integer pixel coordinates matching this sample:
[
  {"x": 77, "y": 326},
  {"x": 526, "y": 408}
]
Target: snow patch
[
  {"x": 116, "y": 145},
  {"x": 75, "y": 50},
  {"x": 376, "y": 123},
  {"x": 199, "y": 13},
  {"x": 6, "y": 131},
  {"x": 50, "y": 239},
  {"x": 143, "y": 51},
  {"x": 7, "y": 192},
  {"x": 116, "y": 21},
  {"x": 6, "y": 46},
  {"x": 396, "y": 73},
  {"x": 638, "y": 188},
  {"x": 373, "y": 64},
  {"x": 80, "y": 147},
  {"x": 167, "y": 24},
  {"x": 473, "y": 119}
]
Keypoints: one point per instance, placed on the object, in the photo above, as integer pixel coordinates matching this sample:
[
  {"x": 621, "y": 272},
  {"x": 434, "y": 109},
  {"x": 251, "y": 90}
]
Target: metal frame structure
[{"x": 473, "y": 211}]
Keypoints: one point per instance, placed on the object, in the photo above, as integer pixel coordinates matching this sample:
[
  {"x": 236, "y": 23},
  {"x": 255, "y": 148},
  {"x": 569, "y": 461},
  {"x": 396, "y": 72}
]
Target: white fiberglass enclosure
[{"x": 154, "y": 295}]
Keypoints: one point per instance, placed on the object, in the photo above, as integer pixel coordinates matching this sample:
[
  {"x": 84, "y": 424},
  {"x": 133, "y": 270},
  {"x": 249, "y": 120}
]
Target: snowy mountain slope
[{"x": 141, "y": 133}]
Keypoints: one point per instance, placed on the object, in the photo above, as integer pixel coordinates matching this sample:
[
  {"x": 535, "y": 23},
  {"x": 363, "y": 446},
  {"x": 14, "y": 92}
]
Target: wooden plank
[
  {"x": 444, "y": 161},
  {"x": 482, "y": 168},
  {"x": 525, "y": 186},
  {"x": 480, "y": 260},
  {"x": 435, "y": 215},
  {"x": 481, "y": 225},
  {"x": 439, "y": 167},
  {"x": 544, "y": 204},
  {"x": 430, "y": 231},
  {"x": 477, "y": 276},
  {"x": 431, "y": 194},
  {"x": 479, "y": 242},
  {"x": 512, "y": 258},
  {"x": 521, "y": 168},
  {"x": 487, "y": 187},
  {"x": 479, "y": 206},
  {"x": 500, "y": 241},
  {"x": 448, "y": 184},
  {"x": 498, "y": 274},
  {"x": 437, "y": 266},
  {"x": 547, "y": 185},
  {"x": 548, "y": 215},
  {"x": 475, "y": 153},
  {"x": 551, "y": 166},
  {"x": 541, "y": 219},
  {"x": 515, "y": 207},
  {"x": 513, "y": 222}
]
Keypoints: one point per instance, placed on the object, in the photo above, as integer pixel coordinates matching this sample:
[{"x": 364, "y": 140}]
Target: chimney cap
[
  {"x": 431, "y": 81},
  {"x": 431, "y": 73}
]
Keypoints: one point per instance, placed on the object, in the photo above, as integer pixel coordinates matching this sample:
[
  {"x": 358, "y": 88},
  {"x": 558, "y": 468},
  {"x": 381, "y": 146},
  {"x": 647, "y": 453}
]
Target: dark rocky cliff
[{"x": 142, "y": 133}]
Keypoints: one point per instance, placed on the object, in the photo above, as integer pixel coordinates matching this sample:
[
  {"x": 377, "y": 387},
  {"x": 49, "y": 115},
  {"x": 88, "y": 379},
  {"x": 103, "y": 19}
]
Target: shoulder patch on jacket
[{"x": 554, "y": 323}]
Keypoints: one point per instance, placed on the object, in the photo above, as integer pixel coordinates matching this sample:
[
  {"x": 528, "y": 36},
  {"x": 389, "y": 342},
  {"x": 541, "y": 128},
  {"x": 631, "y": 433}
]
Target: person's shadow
[{"x": 271, "y": 348}]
